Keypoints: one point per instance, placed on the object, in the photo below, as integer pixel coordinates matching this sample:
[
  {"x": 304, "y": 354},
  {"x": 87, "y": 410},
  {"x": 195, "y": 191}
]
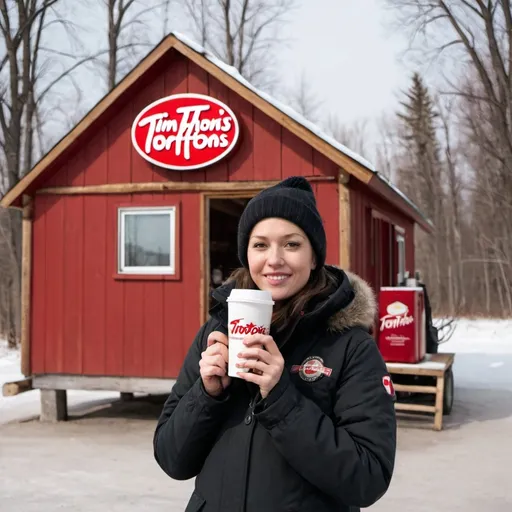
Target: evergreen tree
[{"x": 420, "y": 175}]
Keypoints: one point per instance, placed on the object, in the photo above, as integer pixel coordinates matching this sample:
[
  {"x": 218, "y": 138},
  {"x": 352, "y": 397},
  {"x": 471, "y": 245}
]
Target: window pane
[{"x": 147, "y": 240}]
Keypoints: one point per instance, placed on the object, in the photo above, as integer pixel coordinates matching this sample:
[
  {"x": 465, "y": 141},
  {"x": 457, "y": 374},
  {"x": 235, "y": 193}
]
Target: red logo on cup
[
  {"x": 185, "y": 131},
  {"x": 239, "y": 328}
]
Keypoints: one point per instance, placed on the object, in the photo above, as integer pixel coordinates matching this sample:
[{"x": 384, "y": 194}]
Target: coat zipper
[{"x": 250, "y": 421}]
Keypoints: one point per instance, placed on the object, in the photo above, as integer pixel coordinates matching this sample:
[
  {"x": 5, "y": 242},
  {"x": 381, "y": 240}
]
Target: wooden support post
[
  {"x": 435, "y": 365},
  {"x": 438, "y": 418},
  {"x": 344, "y": 221},
  {"x": 54, "y": 405},
  {"x": 204, "y": 261},
  {"x": 17, "y": 387},
  {"x": 26, "y": 280}
]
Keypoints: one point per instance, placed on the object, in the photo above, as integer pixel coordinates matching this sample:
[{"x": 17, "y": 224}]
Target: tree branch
[{"x": 484, "y": 76}]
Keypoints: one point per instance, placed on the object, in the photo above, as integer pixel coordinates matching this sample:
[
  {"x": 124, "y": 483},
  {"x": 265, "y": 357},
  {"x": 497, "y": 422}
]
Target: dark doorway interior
[
  {"x": 224, "y": 215},
  {"x": 384, "y": 253}
]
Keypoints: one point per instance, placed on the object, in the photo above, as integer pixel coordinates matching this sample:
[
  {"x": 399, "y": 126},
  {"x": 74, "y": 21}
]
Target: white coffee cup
[{"x": 249, "y": 312}]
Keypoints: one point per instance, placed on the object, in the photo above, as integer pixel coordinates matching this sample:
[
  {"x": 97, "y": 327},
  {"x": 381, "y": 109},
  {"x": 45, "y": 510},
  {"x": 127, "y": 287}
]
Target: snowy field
[
  {"x": 481, "y": 336},
  {"x": 487, "y": 340}
]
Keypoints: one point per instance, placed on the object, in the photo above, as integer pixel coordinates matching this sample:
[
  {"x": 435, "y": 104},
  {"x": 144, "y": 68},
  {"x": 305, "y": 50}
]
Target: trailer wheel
[{"x": 448, "y": 392}]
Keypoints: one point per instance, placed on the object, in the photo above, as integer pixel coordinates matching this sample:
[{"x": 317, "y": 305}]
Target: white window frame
[
  {"x": 146, "y": 210},
  {"x": 400, "y": 241}
]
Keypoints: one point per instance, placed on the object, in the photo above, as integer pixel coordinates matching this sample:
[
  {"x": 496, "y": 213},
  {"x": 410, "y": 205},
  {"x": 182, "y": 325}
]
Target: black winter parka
[{"x": 323, "y": 440}]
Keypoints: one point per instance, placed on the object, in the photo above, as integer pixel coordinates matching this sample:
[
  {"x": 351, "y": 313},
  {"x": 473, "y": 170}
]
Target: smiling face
[{"x": 280, "y": 257}]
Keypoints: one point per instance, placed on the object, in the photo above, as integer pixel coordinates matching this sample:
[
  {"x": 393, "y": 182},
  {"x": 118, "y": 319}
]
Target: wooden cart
[{"x": 433, "y": 375}]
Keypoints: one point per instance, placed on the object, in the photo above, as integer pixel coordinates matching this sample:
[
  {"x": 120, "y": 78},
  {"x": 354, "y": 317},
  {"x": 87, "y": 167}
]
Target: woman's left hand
[{"x": 265, "y": 359}]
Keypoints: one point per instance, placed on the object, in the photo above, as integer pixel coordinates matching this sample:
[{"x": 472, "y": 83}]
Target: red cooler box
[{"x": 402, "y": 333}]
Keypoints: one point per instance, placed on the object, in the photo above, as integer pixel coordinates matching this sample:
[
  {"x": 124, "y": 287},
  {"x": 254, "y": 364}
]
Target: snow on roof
[
  {"x": 281, "y": 106},
  {"x": 403, "y": 196},
  {"x": 232, "y": 71}
]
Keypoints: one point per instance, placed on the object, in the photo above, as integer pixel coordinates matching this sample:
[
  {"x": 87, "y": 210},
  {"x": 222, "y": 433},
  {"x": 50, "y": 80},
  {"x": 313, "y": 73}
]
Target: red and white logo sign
[
  {"x": 388, "y": 385},
  {"x": 311, "y": 369},
  {"x": 239, "y": 328},
  {"x": 397, "y": 316},
  {"x": 185, "y": 131}
]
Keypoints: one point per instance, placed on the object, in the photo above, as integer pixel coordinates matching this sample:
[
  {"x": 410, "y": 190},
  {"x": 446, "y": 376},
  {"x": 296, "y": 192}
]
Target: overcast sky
[
  {"x": 345, "y": 48},
  {"x": 349, "y": 54}
]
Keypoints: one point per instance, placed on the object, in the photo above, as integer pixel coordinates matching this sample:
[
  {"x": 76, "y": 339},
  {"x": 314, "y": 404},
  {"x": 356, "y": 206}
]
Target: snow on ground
[
  {"x": 26, "y": 405},
  {"x": 483, "y": 356},
  {"x": 484, "y": 346},
  {"x": 480, "y": 336}
]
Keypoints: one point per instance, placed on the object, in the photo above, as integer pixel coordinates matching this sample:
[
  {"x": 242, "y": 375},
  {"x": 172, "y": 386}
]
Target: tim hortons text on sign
[{"x": 185, "y": 131}]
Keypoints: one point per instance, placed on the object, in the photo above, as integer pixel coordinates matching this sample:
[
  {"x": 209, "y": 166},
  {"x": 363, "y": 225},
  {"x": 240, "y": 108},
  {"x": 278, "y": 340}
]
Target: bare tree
[
  {"x": 475, "y": 39},
  {"x": 30, "y": 71},
  {"x": 302, "y": 99},
  {"x": 21, "y": 28},
  {"x": 453, "y": 209},
  {"x": 386, "y": 157},
  {"x": 242, "y": 33},
  {"x": 129, "y": 32},
  {"x": 354, "y": 137},
  {"x": 422, "y": 178},
  {"x": 482, "y": 30}
]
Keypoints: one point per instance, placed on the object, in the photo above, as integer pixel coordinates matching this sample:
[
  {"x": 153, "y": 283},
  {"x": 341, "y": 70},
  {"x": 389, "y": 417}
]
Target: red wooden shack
[{"x": 118, "y": 249}]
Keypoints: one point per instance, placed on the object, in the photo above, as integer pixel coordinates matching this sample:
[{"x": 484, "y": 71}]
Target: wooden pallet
[{"x": 434, "y": 365}]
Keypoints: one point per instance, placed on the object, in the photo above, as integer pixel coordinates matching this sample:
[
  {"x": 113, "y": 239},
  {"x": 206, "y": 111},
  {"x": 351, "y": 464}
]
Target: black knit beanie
[{"x": 292, "y": 200}]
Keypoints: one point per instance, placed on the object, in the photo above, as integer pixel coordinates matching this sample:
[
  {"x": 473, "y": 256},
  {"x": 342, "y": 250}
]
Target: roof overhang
[
  {"x": 381, "y": 186},
  {"x": 348, "y": 161}
]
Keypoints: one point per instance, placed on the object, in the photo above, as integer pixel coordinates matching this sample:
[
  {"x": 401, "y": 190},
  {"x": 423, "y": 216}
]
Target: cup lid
[{"x": 245, "y": 295}]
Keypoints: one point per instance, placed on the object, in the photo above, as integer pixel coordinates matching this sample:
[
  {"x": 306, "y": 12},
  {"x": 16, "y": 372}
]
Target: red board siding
[
  {"x": 175, "y": 82},
  {"x": 85, "y": 320},
  {"x": 54, "y": 350},
  {"x": 133, "y": 349},
  {"x": 38, "y": 309},
  {"x": 267, "y": 140},
  {"x": 120, "y": 147},
  {"x": 218, "y": 171},
  {"x": 191, "y": 265},
  {"x": 73, "y": 283},
  {"x": 142, "y": 170},
  {"x": 322, "y": 166},
  {"x": 74, "y": 223},
  {"x": 241, "y": 162},
  {"x": 328, "y": 205},
  {"x": 297, "y": 156},
  {"x": 174, "y": 313},
  {"x": 115, "y": 327},
  {"x": 94, "y": 259},
  {"x": 362, "y": 201}
]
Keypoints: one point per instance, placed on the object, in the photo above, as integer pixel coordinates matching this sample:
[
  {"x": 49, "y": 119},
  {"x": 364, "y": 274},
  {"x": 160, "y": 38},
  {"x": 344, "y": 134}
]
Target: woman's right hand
[{"x": 214, "y": 364}]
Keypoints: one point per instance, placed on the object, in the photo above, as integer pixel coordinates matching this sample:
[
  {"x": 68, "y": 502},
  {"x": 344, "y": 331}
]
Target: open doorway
[
  {"x": 222, "y": 258},
  {"x": 387, "y": 257}
]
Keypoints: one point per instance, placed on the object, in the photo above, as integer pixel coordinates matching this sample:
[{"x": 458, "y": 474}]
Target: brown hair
[{"x": 321, "y": 283}]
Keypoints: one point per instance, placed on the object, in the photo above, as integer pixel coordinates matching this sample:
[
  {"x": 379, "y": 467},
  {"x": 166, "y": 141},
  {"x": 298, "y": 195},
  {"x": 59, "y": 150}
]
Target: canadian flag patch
[{"x": 388, "y": 385}]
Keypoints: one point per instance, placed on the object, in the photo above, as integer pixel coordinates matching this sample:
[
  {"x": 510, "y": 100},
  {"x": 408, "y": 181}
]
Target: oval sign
[{"x": 185, "y": 131}]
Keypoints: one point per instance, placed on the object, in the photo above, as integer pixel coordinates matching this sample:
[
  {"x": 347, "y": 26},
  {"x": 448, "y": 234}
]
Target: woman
[{"x": 312, "y": 426}]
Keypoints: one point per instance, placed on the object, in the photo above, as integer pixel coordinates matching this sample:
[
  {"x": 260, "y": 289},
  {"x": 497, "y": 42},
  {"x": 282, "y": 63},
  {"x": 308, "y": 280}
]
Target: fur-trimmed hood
[
  {"x": 352, "y": 303},
  {"x": 361, "y": 311}
]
